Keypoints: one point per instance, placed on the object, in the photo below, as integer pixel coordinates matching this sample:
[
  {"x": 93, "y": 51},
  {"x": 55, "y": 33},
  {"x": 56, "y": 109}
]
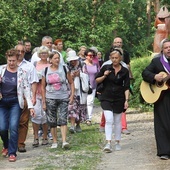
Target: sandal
[
  {"x": 88, "y": 122},
  {"x": 44, "y": 142},
  {"x": 35, "y": 143}
]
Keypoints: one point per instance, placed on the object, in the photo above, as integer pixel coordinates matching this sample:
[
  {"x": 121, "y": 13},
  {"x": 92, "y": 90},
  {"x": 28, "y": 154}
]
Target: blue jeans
[{"x": 10, "y": 113}]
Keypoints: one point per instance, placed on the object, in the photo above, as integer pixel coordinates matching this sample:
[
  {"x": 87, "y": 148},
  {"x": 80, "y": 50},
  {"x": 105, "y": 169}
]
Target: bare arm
[
  {"x": 100, "y": 79},
  {"x": 126, "y": 105},
  {"x": 34, "y": 89}
]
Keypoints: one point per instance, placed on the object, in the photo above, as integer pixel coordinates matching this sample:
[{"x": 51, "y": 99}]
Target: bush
[{"x": 137, "y": 66}]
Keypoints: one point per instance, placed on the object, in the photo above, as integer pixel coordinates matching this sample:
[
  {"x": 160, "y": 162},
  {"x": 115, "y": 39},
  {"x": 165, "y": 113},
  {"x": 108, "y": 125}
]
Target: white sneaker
[
  {"x": 107, "y": 148},
  {"x": 65, "y": 145},
  {"x": 54, "y": 145},
  {"x": 117, "y": 147}
]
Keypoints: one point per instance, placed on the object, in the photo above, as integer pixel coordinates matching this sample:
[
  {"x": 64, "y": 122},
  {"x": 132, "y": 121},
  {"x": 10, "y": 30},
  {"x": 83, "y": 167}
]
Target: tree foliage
[{"x": 77, "y": 22}]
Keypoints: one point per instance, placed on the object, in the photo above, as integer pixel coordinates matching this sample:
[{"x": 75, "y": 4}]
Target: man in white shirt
[
  {"x": 33, "y": 80},
  {"x": 46, "y": 41}
]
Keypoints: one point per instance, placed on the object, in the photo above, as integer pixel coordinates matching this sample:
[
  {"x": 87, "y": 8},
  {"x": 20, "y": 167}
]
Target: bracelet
[{"x": 127, "y": 100}]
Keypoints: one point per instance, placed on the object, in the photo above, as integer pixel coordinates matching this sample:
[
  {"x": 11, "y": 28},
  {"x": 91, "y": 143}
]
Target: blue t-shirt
[{"x": 9, "y": 84}]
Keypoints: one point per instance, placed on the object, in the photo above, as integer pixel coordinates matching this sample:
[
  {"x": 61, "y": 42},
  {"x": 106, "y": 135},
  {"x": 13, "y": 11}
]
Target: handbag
[
  {"x": 100, "y": 87},
  {"x": 90, "y": 89},
  {"x": 84, "y": 82},
  {"x": 99, "y": 90},
  {"x": 76, "y": 83}
]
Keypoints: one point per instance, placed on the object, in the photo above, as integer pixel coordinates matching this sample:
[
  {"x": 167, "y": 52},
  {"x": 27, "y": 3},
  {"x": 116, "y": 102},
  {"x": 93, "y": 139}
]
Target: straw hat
[
  {"x": 71, "y": 55},
  {"x": 163, "y": 13}
]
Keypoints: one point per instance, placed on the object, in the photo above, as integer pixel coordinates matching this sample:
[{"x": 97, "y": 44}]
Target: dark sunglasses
[{"x": 90, "y": 55}]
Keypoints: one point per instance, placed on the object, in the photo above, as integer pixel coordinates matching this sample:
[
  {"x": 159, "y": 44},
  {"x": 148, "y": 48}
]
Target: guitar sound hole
[
  {"x": 159, "y": 84},
  {"x": 168, "y": 83}
]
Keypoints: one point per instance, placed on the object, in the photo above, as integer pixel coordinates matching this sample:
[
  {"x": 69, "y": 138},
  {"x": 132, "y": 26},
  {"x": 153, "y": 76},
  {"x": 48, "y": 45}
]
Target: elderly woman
[
  {"x": 114, "y": 96},
  {"x": 43, "y": 54},
  {"x": 77, "y": 111},
  {"x": 14, "y": 87},
  {"x": 56, "y": 96}
]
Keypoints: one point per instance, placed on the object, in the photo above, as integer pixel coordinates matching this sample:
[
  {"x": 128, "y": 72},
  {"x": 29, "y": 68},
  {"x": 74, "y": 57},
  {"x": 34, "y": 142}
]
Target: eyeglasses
[
  {"x": 20, "y": 51},
  {"x": 44, "y": 53}
]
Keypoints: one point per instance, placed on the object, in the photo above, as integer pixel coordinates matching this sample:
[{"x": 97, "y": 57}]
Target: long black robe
[{"x": 161, "y": 109}]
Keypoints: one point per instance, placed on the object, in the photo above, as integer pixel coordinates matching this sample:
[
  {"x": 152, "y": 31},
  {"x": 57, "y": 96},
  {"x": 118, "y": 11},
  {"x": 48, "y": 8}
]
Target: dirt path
[{"x": 138, "y": 149}]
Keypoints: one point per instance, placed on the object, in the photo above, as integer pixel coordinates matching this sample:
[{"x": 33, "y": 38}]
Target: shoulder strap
[
  {"x": 65, "y": 71},
  {"x": 81, "y": 64},
  {"x": 45, "y": 72}
]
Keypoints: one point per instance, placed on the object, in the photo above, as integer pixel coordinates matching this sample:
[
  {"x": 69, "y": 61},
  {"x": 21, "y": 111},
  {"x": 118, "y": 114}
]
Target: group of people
[{"x": 49, "y": 85}]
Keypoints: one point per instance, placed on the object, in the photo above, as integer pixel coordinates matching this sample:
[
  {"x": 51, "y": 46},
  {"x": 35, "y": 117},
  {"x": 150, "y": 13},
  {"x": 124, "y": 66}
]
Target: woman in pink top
[{"x": 43, "y": 53}]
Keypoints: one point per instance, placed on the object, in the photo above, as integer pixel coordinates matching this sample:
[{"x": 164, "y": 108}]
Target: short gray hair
[
  {"x": 43, "y": 49},
  {"x": 46, "y": 37},
  {"x": 162, "y": 43}
]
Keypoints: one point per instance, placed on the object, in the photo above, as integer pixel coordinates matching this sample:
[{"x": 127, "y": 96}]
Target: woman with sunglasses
[
  {"x": 92, "y": 69},
  {"x": 114, "y": 96}
]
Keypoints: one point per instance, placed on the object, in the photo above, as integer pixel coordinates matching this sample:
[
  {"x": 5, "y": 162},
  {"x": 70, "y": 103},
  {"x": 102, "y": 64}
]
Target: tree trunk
[
  {"x": 156, "y": 4},
  {"x": 148, "y": 13}
]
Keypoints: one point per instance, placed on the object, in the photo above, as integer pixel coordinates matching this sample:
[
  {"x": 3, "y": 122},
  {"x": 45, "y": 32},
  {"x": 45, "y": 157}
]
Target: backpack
[{"x": 65, "y": 71}]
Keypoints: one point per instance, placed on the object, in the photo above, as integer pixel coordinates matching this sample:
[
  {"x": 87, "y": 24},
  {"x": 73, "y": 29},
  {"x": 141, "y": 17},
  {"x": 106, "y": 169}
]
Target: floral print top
[{"x": 23, "y": 86}]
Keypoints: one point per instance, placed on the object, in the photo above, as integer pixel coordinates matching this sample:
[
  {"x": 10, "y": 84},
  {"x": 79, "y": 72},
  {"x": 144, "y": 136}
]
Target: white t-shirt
[{"x": 35, "y": 58}]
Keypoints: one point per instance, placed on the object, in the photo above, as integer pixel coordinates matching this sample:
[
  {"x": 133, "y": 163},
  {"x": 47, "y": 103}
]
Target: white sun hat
[{"x": 71, "y": 55}]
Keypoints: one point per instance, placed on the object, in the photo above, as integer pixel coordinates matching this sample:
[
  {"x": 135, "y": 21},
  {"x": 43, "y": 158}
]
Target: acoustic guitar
[{"x": 152, "y": 92}]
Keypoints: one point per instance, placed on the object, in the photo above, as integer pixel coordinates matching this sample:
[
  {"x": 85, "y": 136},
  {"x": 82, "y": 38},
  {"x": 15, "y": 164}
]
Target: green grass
[
  {"x": 96, "y": 102},
  {"x": 0, "y": 144},
  {"x": 84, "y": 154}
]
